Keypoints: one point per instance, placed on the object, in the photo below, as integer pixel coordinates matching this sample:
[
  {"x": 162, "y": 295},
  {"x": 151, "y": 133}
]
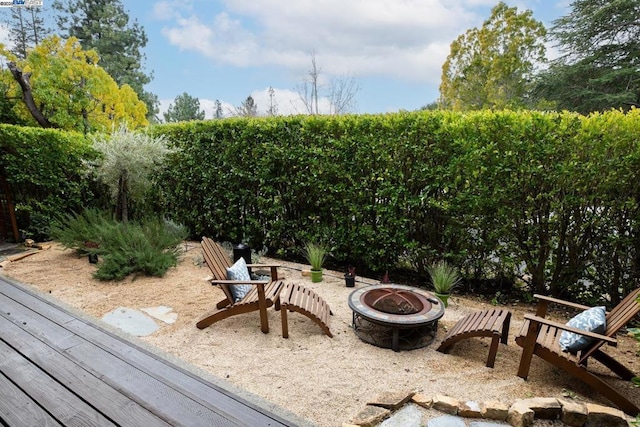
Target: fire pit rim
[{"x": 396, "y": 320}]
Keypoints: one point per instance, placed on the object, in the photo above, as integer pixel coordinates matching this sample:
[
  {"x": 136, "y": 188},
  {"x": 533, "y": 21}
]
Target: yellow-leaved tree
[
  {"x": 494, "y": 66},
  {"x": 61, "y": 85}
]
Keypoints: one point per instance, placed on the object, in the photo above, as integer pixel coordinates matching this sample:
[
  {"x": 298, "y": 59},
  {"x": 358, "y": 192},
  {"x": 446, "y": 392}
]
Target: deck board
[{"x": 57, "y": 368}]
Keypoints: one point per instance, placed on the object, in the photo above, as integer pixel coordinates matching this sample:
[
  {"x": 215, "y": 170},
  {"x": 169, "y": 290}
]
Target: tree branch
[{"x": 27, "y": 95}]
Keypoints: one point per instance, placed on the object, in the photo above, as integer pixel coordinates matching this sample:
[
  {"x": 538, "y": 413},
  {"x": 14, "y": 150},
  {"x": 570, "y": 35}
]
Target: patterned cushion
[
  {"x": 239, "y": 271},
  {"x": 592, "y": 320}
]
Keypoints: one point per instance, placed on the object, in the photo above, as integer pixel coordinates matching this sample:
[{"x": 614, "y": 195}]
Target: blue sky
[{"x": 230, "y": 49}]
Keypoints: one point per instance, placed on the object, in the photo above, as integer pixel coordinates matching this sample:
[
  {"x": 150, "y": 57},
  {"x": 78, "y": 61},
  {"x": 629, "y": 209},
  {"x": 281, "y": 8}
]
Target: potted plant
[
  {"x": 443, "y": 278},
  {"x": 315, "y": 254},
  {"x": 350, "y": 277},
  {"x": 91, "y": 248}
]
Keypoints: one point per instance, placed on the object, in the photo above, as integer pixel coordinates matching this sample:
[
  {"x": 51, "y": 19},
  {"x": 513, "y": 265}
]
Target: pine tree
[
  {"x": 248, "y": 108},
  {"x": 103, "y": 25},
  {"x": 184, "y": 108},
  {"x": 26, "y": 29},
  {"x": 601, "y": 57},
  {"x": 218, "y": 114}
]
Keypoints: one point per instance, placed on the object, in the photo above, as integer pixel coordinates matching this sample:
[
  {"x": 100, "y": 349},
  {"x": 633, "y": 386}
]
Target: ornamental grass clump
[
  {"x": 315, "y": 254},
  {"x": 443, "y": 277}
]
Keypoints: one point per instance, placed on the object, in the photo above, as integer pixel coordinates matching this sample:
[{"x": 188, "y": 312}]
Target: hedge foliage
[
  {"x": 553, "y": 198},
  {"x": 44, "y": 170},
  {"x": 550, "y": 197}
]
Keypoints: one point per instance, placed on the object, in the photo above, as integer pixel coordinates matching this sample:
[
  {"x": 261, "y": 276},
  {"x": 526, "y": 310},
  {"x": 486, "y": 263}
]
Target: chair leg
[
  {"x": 262, "y": 304},
  {"x": 493, "y": 351},
  {"x": 528, "y": 348},
  {"x": 615, "y": 366},
  {"x": 505, "y": 328},
  {"x": 285, "y": 321}
]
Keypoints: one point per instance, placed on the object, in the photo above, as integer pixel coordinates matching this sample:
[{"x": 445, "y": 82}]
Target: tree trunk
[
  {"x": 27, "y": 95},
  {"x": 122, "y": 210}
]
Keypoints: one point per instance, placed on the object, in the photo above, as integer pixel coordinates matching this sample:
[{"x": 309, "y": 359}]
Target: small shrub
[{"x": 149, "y": 247}]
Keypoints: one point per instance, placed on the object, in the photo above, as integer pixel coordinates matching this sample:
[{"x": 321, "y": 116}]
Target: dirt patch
[{"x": 325, "y": 380}]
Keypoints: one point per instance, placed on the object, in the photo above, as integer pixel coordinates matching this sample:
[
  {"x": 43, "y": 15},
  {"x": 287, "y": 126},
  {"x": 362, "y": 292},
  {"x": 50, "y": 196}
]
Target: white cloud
[
  {"x": 404, "y": 38},
  {"x": 169, "y": 9}
]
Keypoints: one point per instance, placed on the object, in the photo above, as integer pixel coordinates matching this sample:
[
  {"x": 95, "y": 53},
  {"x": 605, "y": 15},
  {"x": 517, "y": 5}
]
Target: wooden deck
[{"x": 57, "y": 368}]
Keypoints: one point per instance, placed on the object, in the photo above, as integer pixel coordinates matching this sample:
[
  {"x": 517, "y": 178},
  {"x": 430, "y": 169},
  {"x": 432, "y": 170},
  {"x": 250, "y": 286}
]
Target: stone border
[{"x": 520, "y": 413}]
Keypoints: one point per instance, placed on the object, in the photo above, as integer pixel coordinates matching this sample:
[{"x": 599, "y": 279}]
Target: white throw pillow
[
  {"x": 592, "y": 320},
  {"x": 240, "y": 272}
]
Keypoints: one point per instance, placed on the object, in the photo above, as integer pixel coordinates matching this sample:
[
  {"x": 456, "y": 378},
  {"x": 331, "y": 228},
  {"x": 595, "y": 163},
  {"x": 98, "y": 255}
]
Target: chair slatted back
[
  {"x": 617, "y": 318},
  {"x": 218, "y": 262}
]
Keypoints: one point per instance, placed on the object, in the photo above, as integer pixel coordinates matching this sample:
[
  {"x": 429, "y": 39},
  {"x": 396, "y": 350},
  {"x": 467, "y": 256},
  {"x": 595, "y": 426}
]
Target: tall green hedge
[
  {"x": 553, "y": 198},
  {"x": 549, "y": 197},
  {"x": 44, "y": 170}
]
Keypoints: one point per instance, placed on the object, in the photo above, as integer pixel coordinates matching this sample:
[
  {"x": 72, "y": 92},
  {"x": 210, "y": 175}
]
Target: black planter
[
  {"x": 93, "y": 258},
  {"x": 350, "y": 281}
]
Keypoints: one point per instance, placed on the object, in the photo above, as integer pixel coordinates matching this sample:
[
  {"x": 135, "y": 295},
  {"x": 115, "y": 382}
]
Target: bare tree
[
  {"x": 341, "y": 93},
  {"x": 273, "y": 105},
  {"x": 308, "y": 90}
]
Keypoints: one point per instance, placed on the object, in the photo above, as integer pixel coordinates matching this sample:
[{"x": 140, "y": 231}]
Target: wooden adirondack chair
[
  {"x": 264, "y": 294},
  {"x": 541, "y": 337}
]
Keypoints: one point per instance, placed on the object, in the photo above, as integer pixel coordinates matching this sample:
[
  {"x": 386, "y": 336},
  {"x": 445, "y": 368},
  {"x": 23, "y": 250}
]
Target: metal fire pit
[{"x": 393, "y": 316}]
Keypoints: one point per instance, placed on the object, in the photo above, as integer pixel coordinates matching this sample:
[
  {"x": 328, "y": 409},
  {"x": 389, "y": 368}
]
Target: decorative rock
[
  {"x": 494, "y": 410},
  {"x": 422, "y": 400},
  {"x": 546, "y": 408},
  {"x": 574, "y": 414},
  {"x": 446, "y": 404},
  {"x": 392, "y": 400},
  {"x": 408, "y": 416},
  {"x": 131, "y": 321},
  {"x": 598, "y": 415},
  {"x": 520, "y": 415},
  {"x": 370, "y": 416},
  {"x": 446, "y": 421},
  {"x": 470, "y": 409},
  {"x": 485, "y": 424},
  {"x": 162, "y": 313}
]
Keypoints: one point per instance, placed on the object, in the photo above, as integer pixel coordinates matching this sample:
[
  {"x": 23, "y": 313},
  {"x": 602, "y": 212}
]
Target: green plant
[
  {"x": 443, "y": 277},
  {"x": 149, "y": 247},
  {"x": 315, "y": 254},
  {"x": 499, "y": 298},
  {"x": 127, "y": 163}
]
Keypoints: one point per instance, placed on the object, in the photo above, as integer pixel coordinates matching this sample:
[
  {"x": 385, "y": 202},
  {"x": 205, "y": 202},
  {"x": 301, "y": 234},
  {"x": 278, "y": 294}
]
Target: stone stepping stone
[{"x": 131, "y": 321}]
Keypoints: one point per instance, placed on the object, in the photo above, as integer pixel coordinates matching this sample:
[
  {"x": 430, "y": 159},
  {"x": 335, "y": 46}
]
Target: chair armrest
[
  {"x": 561, "y": 302},
  {"x": 273, "y": 267},
  {"x": 564, "y": 327},
  {"x": 240, "y": 282}
]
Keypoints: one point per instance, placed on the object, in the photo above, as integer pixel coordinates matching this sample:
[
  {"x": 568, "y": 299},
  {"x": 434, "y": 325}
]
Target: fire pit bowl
[{"x": 395, "y": 316}]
